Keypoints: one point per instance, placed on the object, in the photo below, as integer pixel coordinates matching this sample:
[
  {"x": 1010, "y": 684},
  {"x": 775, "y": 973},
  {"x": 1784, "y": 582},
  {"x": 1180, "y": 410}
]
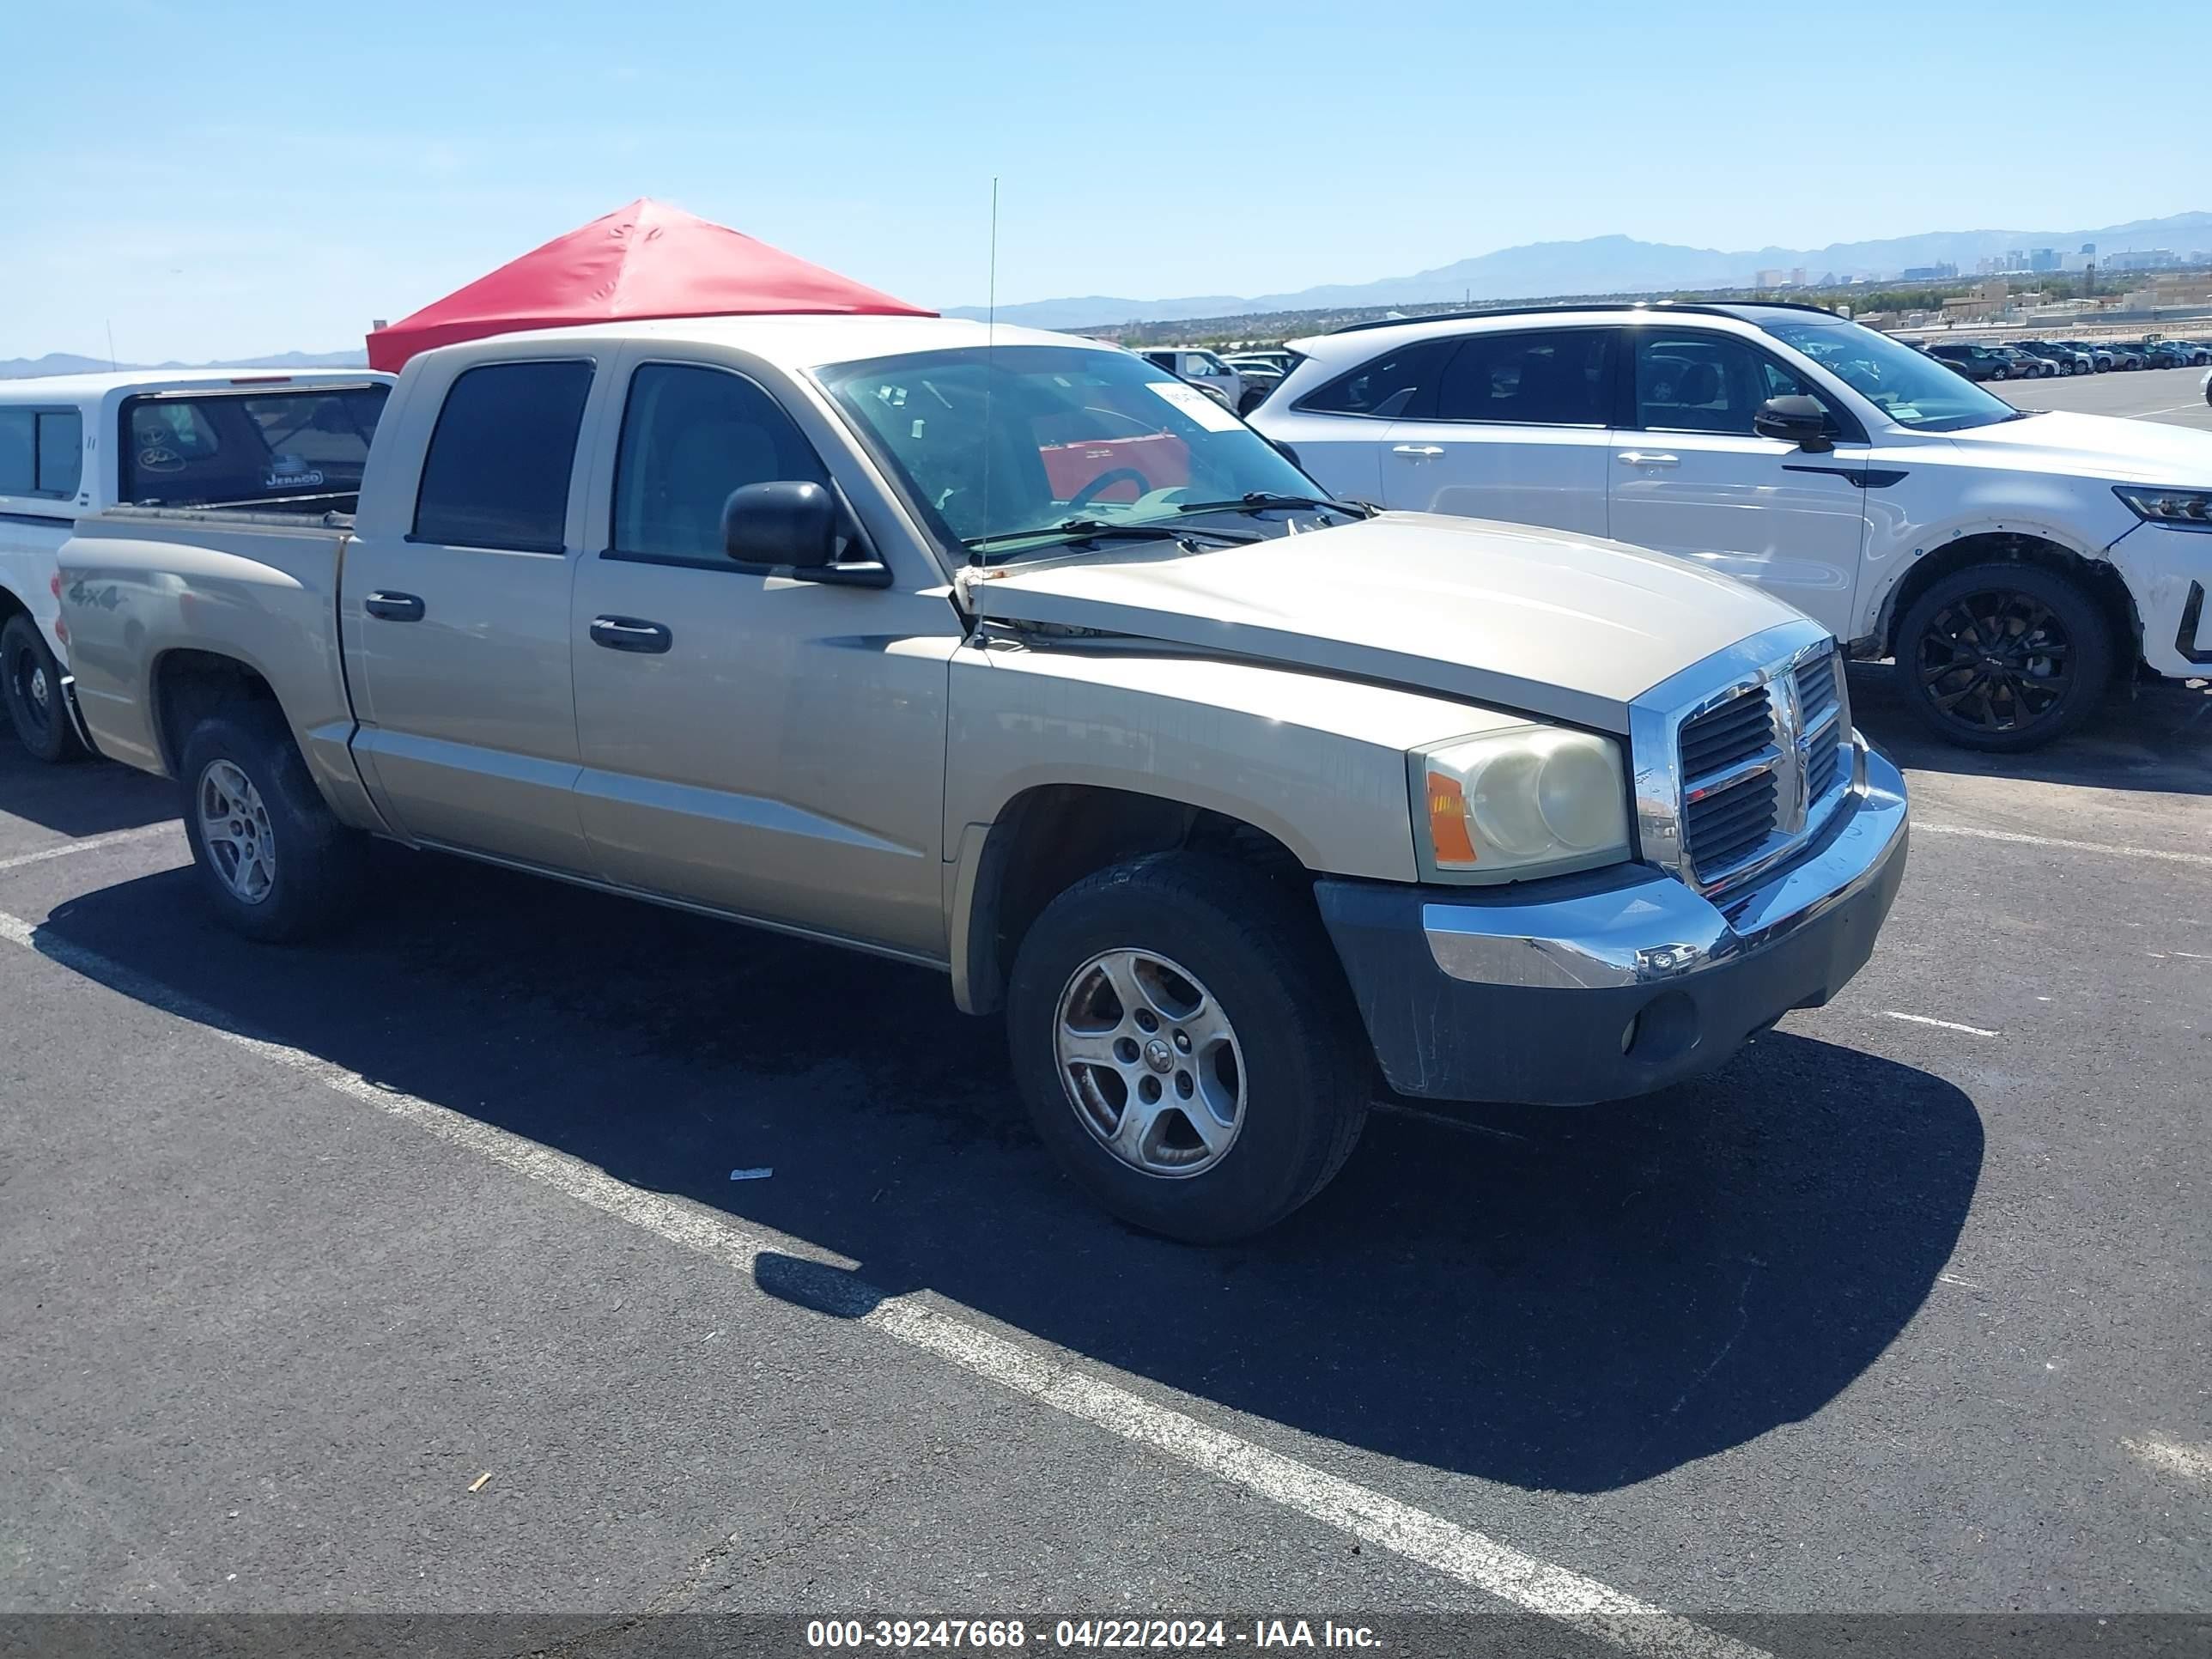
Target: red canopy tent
[{"x": 647, "y": 259}]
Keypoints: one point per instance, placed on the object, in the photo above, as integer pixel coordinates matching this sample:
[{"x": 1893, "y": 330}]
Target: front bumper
[
  {"x": 2168, "y": 570},
  {"x": 1615, "y": 982}
]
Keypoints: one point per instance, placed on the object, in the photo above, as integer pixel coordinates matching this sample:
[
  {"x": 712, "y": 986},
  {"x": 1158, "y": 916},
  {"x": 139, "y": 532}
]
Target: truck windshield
[
  {"x": 1913, "y": 390},
  {"x": 999, "y": 444}
]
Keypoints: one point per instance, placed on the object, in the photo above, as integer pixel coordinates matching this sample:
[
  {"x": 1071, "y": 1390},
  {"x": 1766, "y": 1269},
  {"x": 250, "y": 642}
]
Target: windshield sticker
[{"x": 1196, "y": 405}]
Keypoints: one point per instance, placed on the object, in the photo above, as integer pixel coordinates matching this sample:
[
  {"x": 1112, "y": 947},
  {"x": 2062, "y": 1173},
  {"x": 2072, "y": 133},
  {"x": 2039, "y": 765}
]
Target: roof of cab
[
  {"x": 798, "y": 342},
  {"x": 77, "y": 388}
]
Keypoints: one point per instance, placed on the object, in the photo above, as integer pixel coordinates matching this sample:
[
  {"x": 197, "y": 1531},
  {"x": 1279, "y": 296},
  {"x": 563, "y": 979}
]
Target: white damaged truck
[{"x": 1011, "y": 654}]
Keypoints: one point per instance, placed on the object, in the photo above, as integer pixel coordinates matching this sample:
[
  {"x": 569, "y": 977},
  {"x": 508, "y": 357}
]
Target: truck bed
[{"x": 150, "y": 593}]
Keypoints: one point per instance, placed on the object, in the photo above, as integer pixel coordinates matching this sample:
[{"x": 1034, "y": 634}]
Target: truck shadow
[
  {"x": 1571, "y": 1301},
  {"x": 89, "y": 798},
  {"x": 2154, "y": 738}
]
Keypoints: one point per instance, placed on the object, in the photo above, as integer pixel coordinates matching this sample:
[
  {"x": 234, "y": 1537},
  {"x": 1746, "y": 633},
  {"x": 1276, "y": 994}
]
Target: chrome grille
[
  {"x": 1816, "y": 690},
  {"x": 1729, "y": 800},
  {"x": 1820, "y": 719},
  {"x": 1761, "y": 765},
  {"x": 1725, "y": 827},
  {"x": 1726, "y": 736}
]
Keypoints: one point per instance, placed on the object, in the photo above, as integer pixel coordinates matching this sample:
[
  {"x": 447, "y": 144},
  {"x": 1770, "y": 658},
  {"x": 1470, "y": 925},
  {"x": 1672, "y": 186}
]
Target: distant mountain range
[
  {"x": 1618, "y": 265},
  {"x": 64, "y": 362}
]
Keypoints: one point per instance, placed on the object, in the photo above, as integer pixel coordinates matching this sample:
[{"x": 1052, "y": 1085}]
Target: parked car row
[
  {"x": 1239, "y": 380},
  {"x": 2041, "y": 359}
]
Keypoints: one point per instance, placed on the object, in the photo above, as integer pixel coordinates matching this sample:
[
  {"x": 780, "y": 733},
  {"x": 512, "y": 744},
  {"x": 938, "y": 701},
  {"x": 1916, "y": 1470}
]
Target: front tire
[
  {"x": 272, "y": 858},
  {"x": 30, "y": 684},
  {"x": 1999, "y": 374},
  {"x": 1185, "y": 1042},
  {"x": 2004, "y": 658}
]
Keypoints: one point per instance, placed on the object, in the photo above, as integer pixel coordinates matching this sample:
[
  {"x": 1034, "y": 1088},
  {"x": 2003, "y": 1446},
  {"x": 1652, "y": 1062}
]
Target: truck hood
[
  {"x": 2095, "y": 446},
  {"x": 1553, "y": 625}
]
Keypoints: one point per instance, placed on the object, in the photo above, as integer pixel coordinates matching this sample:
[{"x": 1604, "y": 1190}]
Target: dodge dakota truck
[{"x": 1245, "y": 806}]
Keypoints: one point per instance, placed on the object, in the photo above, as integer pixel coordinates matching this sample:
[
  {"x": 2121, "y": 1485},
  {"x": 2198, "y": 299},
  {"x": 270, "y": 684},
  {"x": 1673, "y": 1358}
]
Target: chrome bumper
[
  {"x": 1658, "y": 930},
  {"x": 1612, "y": 982}
]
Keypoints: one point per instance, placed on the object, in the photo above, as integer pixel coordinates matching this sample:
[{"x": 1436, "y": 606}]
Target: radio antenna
[{"x": 990, "y": 342}]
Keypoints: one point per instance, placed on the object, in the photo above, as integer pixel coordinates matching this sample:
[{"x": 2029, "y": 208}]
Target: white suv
[{"x": 2012, "y": 562}]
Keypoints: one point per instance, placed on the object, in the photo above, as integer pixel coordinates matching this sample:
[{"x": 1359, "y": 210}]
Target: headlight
[
  {"x": 2188, "y": 509},
  {"x": 1532, "y": 800}
]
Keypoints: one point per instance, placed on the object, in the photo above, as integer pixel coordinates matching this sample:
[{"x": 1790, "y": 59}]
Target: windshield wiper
[
  {"x": 1262, "y": 500},
  {"x": 1099, "y": 530}
]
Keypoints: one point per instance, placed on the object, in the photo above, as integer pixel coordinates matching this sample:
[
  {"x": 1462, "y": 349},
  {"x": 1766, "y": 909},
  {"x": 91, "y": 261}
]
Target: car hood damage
[{"x": 1553, "y": 625}]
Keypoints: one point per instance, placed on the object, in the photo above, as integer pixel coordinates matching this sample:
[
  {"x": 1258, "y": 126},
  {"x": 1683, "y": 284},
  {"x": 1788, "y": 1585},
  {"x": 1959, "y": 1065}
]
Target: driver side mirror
[
  {"x": 791, "y": 528},
  {"x": 1795, "y": 419}
]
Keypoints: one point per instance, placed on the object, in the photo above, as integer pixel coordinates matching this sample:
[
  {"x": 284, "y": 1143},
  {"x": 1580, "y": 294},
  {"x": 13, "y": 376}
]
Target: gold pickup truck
[{"x": 1012, "y": 654}]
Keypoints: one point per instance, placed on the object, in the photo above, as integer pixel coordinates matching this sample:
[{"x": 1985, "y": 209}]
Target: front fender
[{"x": 1315, "y": 762}]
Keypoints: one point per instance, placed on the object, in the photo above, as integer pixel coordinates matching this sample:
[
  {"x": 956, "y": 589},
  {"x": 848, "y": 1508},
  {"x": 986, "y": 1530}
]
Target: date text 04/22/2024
[{"x": 1125, "y": 1634}]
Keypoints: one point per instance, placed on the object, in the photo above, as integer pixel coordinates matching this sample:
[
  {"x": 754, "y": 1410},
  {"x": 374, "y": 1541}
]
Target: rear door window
[
  {"x": 1551, "y": 377},
  {"x": 500, "y": 458},
  {"x": 303, "y": 447}
]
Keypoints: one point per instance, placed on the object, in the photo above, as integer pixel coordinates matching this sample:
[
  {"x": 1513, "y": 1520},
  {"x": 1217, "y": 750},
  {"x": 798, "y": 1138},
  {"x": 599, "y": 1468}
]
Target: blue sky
[{"x": 215, "y": 179}]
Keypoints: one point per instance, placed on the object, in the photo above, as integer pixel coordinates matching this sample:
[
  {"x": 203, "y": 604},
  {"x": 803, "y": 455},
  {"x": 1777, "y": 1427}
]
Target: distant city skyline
[{"x": 258, "y": 189}]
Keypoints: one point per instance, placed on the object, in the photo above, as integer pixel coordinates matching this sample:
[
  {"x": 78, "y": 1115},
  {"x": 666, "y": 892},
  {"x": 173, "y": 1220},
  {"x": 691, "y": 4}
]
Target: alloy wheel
[
  {"x": 1150, "y": 1063},
  {"x": 241, "y": 849},
  {"x": 1995, "y": 661}
]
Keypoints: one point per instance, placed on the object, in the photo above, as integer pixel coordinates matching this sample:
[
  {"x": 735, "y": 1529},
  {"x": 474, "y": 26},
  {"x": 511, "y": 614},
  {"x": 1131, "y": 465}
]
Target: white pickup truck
[
  {"x": 1016, "y": 656},
  {"x": 74, "y": 444}
]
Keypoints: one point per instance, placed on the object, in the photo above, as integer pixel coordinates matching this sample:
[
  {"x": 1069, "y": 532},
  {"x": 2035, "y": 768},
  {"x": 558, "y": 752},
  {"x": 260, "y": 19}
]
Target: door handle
[
  {"x": 393, "y": 607},
  {"x": 1647, "y": 458},
  {"x": 1419, "y": 452},
  {"x": 629, "y": 633}
]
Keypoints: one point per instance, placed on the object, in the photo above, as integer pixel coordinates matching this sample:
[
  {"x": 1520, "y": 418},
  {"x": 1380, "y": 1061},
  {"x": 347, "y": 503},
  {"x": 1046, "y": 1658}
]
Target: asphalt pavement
[
  {"x": 407, "y": 1272},
  {"x": 2175, "y": 396}
]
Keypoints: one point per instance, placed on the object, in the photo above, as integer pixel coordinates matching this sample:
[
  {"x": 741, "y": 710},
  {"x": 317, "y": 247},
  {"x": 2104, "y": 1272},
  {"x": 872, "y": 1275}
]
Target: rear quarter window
[{"x": 1399, "y": 382}]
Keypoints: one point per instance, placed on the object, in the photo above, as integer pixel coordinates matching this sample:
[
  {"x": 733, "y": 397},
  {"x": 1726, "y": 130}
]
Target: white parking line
[
  {"x": 2172, "y": 1456},
  {"x": 1943, "y": 1024},
  {"x": 2167, "y": 854},
  {"x": 1471, "y": 1558},
  {"x": 92, "y": 843}
]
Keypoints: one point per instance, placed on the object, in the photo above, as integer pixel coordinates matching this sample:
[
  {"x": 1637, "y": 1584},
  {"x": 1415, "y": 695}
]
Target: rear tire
[
  {"x": 31, "y": 682},
  {"x": 272, "y": 858},
  {"x": 2004, "y": 658},
  {"x": 1243, "y": 1022}
]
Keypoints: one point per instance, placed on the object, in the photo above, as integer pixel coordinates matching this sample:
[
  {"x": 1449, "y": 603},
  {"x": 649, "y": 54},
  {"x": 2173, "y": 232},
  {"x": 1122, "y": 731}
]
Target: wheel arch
[
  {"x": 2097, "y": 577},
  {"x": 1050, "y": 836},
  {"x": 186, "y": 684}
]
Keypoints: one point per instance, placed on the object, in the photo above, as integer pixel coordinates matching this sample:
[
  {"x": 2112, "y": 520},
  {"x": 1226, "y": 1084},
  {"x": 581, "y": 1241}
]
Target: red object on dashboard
[
  {"x": 647, "y": 259},
  {"x": 1161, "y": 458}
]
